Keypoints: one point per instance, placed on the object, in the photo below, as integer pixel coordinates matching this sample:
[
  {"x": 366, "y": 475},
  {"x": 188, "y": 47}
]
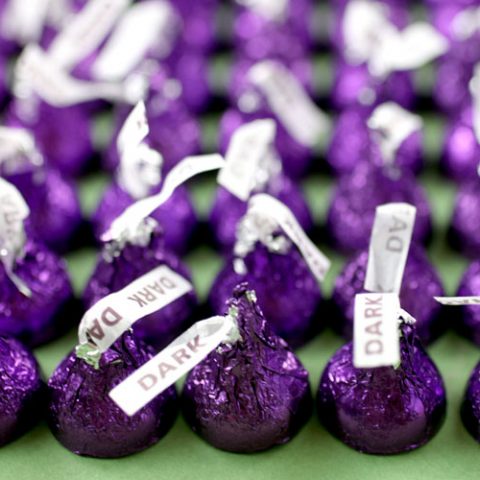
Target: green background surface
[{"x": 313, "y": 453}]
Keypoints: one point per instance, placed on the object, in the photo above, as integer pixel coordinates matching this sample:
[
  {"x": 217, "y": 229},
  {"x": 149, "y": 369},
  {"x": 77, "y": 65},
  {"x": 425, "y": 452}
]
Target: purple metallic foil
[
  {"x": 418, "y": 272},
  {"x": 227, "y": 209},
  {"x": 471, "y": 405},
  {"x": 42, "y": 316},
  {"x": 176, "y": 217},
  {"x": 287, "y": 291},
  {"x": 110, "y": 275},
  {"x": 21, "y": 390},
  {"x": 250, "y": 395},
  {"x": 383, "y": 410},
  {"x": 352, "y": 142},
  {"x": 469, "y": 324},
  {"x": 352, "y": 207},
  {"x": 86, "y": 421}
]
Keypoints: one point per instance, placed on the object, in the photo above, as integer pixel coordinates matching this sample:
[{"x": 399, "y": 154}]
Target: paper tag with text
[
  {"x": 23, "y": 20},
  {"x": 275, "y": 10},
  {"x": 303, "y": 120},
  {"x": 86, "y": 31},
  {"x": 270, "y": 207},
  {"x": 458, "y": 301},
  {"x": 249, "y": 145},
  {"x": 163, "y": 370},
  {"x": 376, "y": 340},
  {"x": 128, "y": 222},
  {"x": 389, "y": 245},
  {"x": 146, "y": 26},
  {"x": 113, "y": 315},
  {"x": 392, "y": 125}
]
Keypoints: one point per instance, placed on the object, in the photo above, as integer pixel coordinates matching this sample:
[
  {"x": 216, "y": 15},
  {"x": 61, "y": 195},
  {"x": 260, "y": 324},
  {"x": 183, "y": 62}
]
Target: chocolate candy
[
  {"x": 250, "y": 395},
  {"x": 22, "y": 399},
  {"x": 418, "y": 271},
  {"x": 471, "y": 405},
  {"x": 227, "y": 209},
  {"x": 85, "y": 420},
  {"x": 43, "y": 315},
  {"x": 352, "y": 207},
  {"x": 383, "y": 410},
  {"x": 120, "y": 265}
]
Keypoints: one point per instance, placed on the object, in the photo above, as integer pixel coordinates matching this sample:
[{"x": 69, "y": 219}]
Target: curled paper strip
[
  {"x": 86, "y": 31},
  {"x": 275, "y": 10},
  {"x": 18, "y": 145},
  {"x": 389, "y": 246},
  {"x": 376, "y": 340},
  {"x": 127, "y": 224},
  {"x": 250, "y": 144},
  {"x": 163, "y": 370},
  {"x": 475, "y": 93},
  {"x": 392, "y": 125},
  {"x": 458, "y": 301},
  {"x": 303, "y": 120},
  {"x": 110, "y": 317},
  {"x": 269, "y": 207},
  {"x": 466, "y": 23}
]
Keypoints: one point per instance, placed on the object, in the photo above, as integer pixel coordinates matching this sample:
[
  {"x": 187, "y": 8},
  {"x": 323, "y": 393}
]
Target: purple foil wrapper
[
  {"x": 288, "y": 293},
  {"x": 461, "y": 150},
  {"x": 21, "y": 387},
  {"x": 250, "y": 395},
  {"x": 295, "y": 157},
  {"x": 352, "y": 208},
  {"x": 354, "y": 86},
  {"x": 174, "y": 131},
  {"x": 466, "y": 215},
  {"x": 63, "y": 135},
  {"x": 162, "y": 327},
  {"x": 227, "y": 209},
  {"x": 43, "y": 316},
  {"x": 352, "y": 142},
  {"x": 176, "y": 217},
  {"x": 86, "y": 421},
  {"x": 469, "y": 324},
  {"x": 383, "y": 410},
  {"x": 423, "y": 307},
  {"x": 55, "y": 213},
  {"x": 471, "y": 405}
]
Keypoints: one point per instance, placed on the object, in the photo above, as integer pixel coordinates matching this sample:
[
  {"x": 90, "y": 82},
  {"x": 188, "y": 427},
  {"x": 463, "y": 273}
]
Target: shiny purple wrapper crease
[
  {"x": 159, "y": 328},
  {"x": 287, "y": 292},
  {"x": 252, "y": 394},
  {"x": 227, "y": 209},
  {"x": 419, "y": 273},
  {"x": 383, "y": 410},
  {"x": 176, "y": 217},
  {"x": 22, "y": 390},
  {"x": 471, "y": 405},
  {"x": 43, "y": 316},
  {"x": 86, "y": 421},
  {"x": 353, "y": 203}
]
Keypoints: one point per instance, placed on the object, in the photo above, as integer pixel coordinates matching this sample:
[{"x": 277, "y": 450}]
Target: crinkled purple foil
[
  {"x": 419, "y": 273},
  {"x": 176, "y": 217},
  {"x": 55, "y": 213},
  {"x": 460, "y": 150},
  {"x": 42, "y": 317},
  {"x": 157, "y": 329},
  {"x": 352, "y": 142},
  {"x": 287, "y": 291},
  {"x": 63, "y": 135},
  {"x": 383, "y": 410},
  {"x": 86, "y": 421},
  {"x": 466, "y": 215},
  {"x": 250, "y": 395},
  {"x": 471, "y": 405},
  {"x": 295, "y": 157},
  {"x": 354, "y": 200},
  {"x": 469, "y": 324},
  {"x": 354, "y": 86},
  {"x": 21, "y": 389},
  {"x": 228, "y": 210},
  {"x": 174, "y": 131}
]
